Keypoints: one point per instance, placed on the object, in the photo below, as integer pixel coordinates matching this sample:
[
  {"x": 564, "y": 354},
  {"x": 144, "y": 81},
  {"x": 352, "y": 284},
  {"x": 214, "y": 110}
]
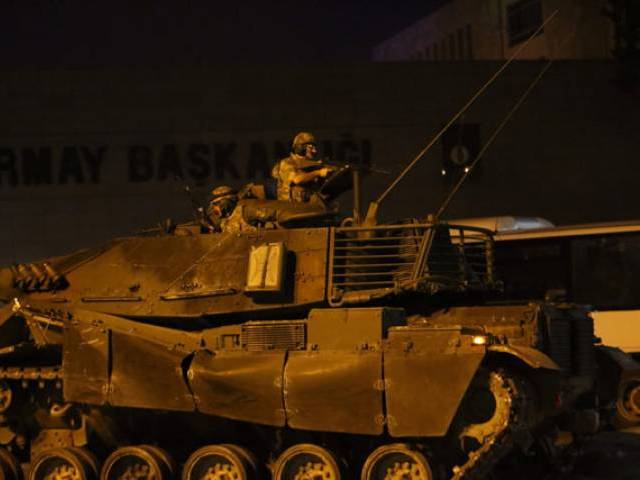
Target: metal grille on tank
[
  {"x": 408, "y": 247},
  {"x": 571, "y": 342},
  {"x": 273, "y": 335},
  {"x": 459, "y": 255},
  {"x": 374, "y": 258},
  {"x": 388, "y": 256},
  {"x": 560, "y": 342},
  {"x": 583, "y": 353}
]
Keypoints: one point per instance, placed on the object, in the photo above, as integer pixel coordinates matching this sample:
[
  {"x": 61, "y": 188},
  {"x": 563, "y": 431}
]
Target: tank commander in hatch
[
  {"x": 223, "y": 201},
  {"x": 299, "y": 174},
  {"x": 224, "y": 213}
]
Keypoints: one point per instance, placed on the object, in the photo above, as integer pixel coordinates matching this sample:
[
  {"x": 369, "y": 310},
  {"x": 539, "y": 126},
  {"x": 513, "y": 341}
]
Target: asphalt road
[{"x": 609, "y": 455}]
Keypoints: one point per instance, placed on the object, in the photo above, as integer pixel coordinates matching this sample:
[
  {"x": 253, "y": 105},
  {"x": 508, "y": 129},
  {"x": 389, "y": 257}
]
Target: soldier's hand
[{"x": 325, "y": 171}]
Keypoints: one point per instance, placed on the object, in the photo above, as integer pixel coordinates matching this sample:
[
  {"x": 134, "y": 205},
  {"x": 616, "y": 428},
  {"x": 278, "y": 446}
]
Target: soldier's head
[
  {"x": 223, "y": 200},
  {"x": 304, "y": 145}
]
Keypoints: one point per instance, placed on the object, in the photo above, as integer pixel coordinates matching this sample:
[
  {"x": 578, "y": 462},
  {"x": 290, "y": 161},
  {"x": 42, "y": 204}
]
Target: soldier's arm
[{"x": 305, "y": 177}]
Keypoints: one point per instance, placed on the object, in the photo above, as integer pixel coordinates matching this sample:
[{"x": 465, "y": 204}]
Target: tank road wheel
[
  {"x": 162, "y": 455},
  {"x": 248, "y": 457},
  {"x": 9, "y": 466},
  {"x": 396, "y": 462},
  {"x": 220, "y": 462},
  {"x": 306, "y": 462},
  {"x": 627, "y": 412},
  {"x": 137, "y": 463},
  {"x": 64, "y": 464}
]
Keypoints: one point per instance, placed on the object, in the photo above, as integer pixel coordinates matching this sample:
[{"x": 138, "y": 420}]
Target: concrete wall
[
  {"x": 472, "y": 29},
  {"x": 86, "y": 155}
]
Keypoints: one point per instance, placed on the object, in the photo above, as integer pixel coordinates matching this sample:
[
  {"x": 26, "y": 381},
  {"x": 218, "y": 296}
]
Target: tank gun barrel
[{"x": 353, "y": 166}]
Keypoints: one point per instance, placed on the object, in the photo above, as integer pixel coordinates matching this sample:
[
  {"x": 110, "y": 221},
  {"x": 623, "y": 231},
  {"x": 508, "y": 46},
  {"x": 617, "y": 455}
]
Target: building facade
[
  {"x": 495, "y": 29},
  {"x": 86, "y": 155}
]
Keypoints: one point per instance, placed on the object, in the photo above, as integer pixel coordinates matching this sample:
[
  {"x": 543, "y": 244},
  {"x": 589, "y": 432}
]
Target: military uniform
[
  {"x": 221, "y": 207},
  {"x": 296, "y": 165},
  {"x": 225, "y": 213},
  {"x": 284, "y": 172},
  {"x": 236, "y": 222}
]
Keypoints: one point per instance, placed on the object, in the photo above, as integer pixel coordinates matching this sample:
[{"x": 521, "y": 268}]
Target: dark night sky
[{"x": 76, "y": 33}]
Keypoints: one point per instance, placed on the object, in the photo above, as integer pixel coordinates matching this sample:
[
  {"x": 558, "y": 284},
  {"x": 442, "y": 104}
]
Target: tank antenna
[
  {"x": 489, "y": 142},
  {"x": 373, "y": 206}
]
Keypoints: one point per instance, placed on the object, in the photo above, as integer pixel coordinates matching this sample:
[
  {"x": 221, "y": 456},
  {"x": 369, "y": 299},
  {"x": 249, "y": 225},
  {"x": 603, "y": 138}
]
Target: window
[
  {"x": 599, "y": 270},
  {"x": 523, "y": 18},
  {"x": 531, "y": 268},
  {"x": 605, "y": 271}
]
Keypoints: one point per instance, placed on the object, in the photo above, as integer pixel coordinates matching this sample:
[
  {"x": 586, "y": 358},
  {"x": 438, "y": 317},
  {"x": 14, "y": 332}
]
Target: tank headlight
[{"x": 479, "y": 340}]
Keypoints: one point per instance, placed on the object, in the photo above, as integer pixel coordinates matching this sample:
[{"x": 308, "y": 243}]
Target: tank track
[
  {"x": 30, "y": 373},
  {"x": 503, "y": 439}
]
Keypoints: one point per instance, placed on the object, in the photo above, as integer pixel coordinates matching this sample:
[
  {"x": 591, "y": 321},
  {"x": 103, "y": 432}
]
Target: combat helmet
[
  {"x": 222, "y": 192},
  {"x": 225, "y": 198},
  {"x": 300, "y": 141}
]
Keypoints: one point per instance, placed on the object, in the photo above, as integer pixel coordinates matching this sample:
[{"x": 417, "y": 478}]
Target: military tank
[{"x": 308, "y": 346}]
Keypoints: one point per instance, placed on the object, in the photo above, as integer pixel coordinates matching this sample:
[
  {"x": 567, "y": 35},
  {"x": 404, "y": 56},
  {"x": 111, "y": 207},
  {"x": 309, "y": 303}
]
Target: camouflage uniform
[
  {"x": 222, "y": 206},
  {"x": 284, "y": 172},
  {"x": 235, "y": 222}
]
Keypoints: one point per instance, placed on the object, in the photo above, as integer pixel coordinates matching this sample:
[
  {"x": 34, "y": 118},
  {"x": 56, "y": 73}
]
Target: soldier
[
  {"x": 298, "y": 172},
  {"x": 223, "y": 201},
  {"x": 224, "y": 213}
]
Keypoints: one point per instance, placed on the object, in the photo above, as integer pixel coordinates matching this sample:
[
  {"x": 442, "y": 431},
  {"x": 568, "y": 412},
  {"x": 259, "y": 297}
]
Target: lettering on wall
[
  {"x": 33, "y": 166},
  {"x": 138, "y": 163}
]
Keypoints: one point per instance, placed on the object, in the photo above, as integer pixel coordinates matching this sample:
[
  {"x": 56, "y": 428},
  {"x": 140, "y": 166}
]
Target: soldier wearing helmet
[
  {"x": 223, "y": 200},
  {"x": 222, "y": 204},
  {"x": 298, "y": 173},
  {"x": 225, "y": 215}
]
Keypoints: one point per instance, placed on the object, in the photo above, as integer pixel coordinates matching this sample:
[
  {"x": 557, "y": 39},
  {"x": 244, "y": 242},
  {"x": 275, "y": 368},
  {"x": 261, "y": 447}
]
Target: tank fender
[
  {"x": 426, "y": 374},
  {"x": 110, "y": 359},
  {"x": 532, "y": 357},
  {"x": 423, "y": 391},
  {"x": 240, "y": 386}
]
